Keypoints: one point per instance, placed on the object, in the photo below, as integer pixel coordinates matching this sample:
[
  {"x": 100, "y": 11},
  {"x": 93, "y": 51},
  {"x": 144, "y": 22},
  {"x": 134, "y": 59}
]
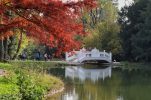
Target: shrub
[
  {"x": 9, "y": 92},
  {"x": 23, "y": 83},
  {"x": 28, "y": 87}
]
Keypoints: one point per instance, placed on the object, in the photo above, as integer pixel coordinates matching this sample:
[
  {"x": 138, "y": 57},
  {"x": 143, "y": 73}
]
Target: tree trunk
[
  {"x": 1, "y": 50},
  {"x": 1, "y": 43},
  {"x": 19, "y": 45},
  {"x": 6, "y": 49}
]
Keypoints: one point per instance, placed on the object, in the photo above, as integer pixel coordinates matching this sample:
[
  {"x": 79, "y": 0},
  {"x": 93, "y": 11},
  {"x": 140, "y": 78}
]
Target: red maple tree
[{"x": 52, "y": 22}]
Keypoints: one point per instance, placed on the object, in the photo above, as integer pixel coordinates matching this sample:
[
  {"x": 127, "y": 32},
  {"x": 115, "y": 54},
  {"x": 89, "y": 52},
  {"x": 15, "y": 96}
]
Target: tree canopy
[{"x": 52, "y": 22}]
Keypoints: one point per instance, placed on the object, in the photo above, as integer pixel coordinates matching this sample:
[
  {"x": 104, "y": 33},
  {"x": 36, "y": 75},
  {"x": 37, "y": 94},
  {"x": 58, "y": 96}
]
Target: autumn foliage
[{"x": 52, "y": 22}]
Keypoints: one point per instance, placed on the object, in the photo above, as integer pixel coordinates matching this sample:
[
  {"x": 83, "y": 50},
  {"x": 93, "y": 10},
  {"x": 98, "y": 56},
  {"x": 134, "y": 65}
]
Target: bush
[
  {"x": 23, "y": 83},
  {"x": 28, "y": 87},
  {"x": 10, "y": 97},
  {"x": 9, "y": 92}
]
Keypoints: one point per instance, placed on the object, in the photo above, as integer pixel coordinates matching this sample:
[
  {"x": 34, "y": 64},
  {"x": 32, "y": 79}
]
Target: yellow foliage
[{"x": 25, "y": 40}]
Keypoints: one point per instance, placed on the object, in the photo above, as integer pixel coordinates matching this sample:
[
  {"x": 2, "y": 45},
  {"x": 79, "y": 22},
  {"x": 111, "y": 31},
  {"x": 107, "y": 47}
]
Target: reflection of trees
[
  {"x": 136, "y": 85},
  {"x": 60, "y": 72}
]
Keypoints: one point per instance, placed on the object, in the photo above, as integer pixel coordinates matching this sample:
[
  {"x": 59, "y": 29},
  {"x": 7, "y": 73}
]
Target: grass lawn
[{"x": 38, "y": 64}]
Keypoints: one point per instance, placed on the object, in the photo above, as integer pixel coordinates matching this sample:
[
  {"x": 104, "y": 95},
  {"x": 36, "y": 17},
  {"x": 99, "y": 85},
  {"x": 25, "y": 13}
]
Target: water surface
[{"x": 103, "y": 83}]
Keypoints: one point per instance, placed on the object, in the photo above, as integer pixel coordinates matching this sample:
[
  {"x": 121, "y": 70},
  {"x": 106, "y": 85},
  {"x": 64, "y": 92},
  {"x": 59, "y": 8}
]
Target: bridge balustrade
[{"x": 83, "y": 55}]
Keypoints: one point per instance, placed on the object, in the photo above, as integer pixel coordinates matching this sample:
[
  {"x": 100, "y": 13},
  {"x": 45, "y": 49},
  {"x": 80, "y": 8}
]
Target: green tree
[
  {"x": 135, "y": 31},
  {"x": 105, "y": 29}
]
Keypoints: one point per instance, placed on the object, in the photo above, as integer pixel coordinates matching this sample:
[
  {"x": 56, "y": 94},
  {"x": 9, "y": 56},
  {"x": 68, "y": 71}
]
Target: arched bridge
[{"x": 84, "y": 56}]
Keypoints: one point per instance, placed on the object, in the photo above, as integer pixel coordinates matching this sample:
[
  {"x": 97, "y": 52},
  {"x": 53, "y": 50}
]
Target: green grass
[
  {"x": 5, "y": 66},
  {"x": 38, "y": 64},
  {"x": 135, "y": 65},
  {"x": 28, "y": 83}
]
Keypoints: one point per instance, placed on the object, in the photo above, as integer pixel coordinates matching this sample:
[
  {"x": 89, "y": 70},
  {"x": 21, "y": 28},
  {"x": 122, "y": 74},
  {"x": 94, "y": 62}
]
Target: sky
[{"x": 123, "y": 2}]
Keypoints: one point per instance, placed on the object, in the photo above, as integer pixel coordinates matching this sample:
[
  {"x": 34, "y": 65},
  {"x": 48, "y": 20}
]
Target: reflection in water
[
  {"x": 99, "y": 84},
  {"x": 71, "y": 96},
  {"x": 83, "y": 74},
  {"x": 91, "y": 84}
]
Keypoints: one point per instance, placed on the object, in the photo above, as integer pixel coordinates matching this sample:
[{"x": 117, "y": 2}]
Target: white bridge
[{"x": 84, "y": 56}]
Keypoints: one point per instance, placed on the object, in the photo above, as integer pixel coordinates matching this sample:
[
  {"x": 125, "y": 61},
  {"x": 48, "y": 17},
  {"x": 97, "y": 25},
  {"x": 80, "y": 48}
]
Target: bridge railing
[
  {"x": 94, "y": 54},
  {"x": 77, "y": 56},
  {"x": 72, "y": 57}
]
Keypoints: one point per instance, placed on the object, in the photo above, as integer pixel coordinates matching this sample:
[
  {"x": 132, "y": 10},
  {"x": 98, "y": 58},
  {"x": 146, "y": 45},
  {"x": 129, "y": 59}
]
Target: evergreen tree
[{"x": 136, "y": 31}]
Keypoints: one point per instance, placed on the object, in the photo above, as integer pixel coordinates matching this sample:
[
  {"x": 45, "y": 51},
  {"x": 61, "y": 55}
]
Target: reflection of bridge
[
  {"x": 83, "y": 74},
  {"x": 84, "y": 56}
]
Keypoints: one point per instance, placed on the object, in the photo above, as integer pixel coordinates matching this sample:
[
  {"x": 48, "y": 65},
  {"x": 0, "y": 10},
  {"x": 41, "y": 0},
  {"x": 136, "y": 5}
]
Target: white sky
[{"x": 123, "y": 2}]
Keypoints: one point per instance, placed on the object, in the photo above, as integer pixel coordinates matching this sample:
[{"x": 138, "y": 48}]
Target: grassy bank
[
  {"x": 133, "y": 65},
  {"x": 38, "y": 64},
  {"x": 23, "y": 83}
]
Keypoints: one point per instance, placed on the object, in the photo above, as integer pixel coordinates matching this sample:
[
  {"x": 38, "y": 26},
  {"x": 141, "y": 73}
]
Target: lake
[{"x": 103, "y": 83}]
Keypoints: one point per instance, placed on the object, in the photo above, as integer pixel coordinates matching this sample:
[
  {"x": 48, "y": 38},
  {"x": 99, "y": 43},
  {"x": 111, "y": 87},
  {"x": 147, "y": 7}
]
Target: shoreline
[{"x": 54, "y": 91}]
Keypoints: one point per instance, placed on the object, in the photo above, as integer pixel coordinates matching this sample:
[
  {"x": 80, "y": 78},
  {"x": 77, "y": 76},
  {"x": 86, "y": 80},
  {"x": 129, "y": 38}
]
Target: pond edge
[{"x": 54, "y": 91}]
